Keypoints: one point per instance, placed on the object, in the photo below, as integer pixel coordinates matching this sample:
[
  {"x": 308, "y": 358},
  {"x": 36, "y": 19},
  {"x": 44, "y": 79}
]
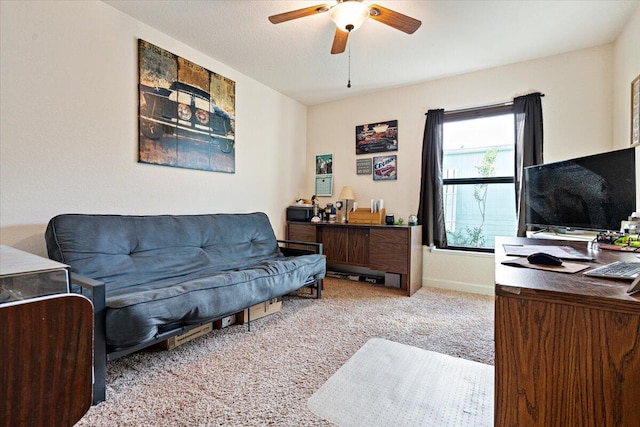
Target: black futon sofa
[{"x": 153, "y": 277}]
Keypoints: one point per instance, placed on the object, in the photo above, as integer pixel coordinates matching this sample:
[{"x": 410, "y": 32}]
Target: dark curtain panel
[
  {"x": 527, "y": 111},
  {"x": 431, "y": 209}
]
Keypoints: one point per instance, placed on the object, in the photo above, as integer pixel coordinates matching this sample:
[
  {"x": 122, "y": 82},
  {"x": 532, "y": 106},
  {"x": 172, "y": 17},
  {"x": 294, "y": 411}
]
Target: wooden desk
[
  {"x": 392, "y": 249},
  {"x": 46, "y": 356},
  {"x": 567, "y": 345}
]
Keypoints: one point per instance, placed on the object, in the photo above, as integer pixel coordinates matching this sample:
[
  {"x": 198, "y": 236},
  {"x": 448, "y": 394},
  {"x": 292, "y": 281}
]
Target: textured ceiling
[{"x": 455, "y": 37}]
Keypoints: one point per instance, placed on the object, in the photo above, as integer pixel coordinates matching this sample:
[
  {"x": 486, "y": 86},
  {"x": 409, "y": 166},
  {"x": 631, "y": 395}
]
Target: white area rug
[{"x": 390, "y": 384}]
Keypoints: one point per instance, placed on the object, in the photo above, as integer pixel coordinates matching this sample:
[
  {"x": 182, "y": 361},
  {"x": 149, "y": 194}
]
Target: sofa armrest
[
  {"x": 303, "y": 248},
  {"x": 96, "y": 289},
  {"x": 98, "y": 298},
  {"x": 309, "y": 248}
]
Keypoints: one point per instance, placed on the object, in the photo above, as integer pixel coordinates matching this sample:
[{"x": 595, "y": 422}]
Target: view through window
[{"x": 478, "y": 172}]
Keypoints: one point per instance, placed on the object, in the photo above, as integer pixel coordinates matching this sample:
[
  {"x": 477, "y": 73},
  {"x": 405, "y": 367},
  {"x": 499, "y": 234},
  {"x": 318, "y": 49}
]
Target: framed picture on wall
[
  {"x": 385, "y": 168},
  {"x": 635, "y": 111},
  {"x": 186, "y": 113},
  {"x": 363, "y": 166},
  {"x": 324, "y": 175},
  {"x": 377, "y": 138},
  {"x": 324, "y": 185},
  {"x": 324, "y": 164}
]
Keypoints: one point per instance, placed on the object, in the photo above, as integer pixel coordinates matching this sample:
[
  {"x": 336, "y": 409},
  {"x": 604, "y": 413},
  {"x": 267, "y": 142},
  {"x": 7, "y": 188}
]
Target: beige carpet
[
  {"x": 232, "y": 377},
  {"x": 390, "y": 384}
]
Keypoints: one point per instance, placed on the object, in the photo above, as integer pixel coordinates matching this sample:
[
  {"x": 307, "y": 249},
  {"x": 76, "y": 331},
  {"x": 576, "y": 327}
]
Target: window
[{"x": 478, "y": 176}]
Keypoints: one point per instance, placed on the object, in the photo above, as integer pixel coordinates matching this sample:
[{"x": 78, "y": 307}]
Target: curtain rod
[{"x": 487, "y": 107}]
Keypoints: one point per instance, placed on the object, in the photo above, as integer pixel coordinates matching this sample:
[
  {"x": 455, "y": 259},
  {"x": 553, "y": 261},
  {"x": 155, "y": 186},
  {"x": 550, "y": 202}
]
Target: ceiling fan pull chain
[{"x": 349, "y": 68}]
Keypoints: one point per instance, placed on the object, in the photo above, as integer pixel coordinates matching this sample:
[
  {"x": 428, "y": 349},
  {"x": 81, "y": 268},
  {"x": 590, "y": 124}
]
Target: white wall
[
  {"x": 578, "y": 120},
  {"x": 69, "y": 127},
  {"x": 626, "y": 68}
]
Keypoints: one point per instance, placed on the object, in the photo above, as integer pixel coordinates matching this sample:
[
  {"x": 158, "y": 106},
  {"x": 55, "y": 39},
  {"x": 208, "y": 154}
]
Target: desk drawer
[{"x": 302, "y": 232}]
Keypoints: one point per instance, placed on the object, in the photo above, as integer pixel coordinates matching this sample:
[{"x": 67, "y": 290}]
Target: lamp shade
[
  {"x": 349, "y": 15},
  {"x": 347, "y": 193}
]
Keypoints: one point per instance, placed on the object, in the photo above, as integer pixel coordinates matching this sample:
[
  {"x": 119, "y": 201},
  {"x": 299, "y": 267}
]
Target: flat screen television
[{"x": 588, "y": 193}]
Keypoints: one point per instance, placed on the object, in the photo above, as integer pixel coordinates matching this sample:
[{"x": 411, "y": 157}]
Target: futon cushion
[
  {"x": 145, "y": 311},
  {"x": 124, "y": 251}
]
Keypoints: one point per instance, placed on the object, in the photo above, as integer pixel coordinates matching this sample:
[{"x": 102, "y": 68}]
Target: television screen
[{"x": 588, "y": 193}]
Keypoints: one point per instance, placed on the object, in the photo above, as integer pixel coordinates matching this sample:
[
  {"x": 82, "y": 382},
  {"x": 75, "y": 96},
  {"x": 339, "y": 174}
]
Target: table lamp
[{"x": 346, "y": 194}]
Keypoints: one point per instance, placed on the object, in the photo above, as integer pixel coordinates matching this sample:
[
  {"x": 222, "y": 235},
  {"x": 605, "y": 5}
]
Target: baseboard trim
[{"x": 474, "y": 288}]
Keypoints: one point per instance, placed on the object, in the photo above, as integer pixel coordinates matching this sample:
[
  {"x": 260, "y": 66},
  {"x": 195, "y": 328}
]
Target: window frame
[{"x": 469, "y": 114}]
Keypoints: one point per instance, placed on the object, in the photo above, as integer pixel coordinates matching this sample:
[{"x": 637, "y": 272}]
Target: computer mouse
[{"x": 543, "y": 258}]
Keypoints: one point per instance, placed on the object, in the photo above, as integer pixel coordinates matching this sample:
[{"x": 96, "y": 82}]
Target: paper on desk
[
  {"x": 566, "y": 267},
  {"x": 564, "y": 252}
]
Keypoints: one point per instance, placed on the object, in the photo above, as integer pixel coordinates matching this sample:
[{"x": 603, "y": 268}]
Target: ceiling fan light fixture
[{"x": 349, "y": 15}]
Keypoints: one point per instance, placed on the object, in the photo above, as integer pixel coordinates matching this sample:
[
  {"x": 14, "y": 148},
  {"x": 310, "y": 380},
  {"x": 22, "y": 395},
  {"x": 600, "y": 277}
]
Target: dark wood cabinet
[
  {"x": 358, "y": 246},
  {"x": 567, "y": 346},
  {"x": 346, "y": 245},
  {"x": 334, "y": 243},
  {"x": 392, "y": 249},
  {"x": 389, "y": 253}
]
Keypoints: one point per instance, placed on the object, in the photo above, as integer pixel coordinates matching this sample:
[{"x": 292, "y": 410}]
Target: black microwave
[{"x": 299, "y": 213}]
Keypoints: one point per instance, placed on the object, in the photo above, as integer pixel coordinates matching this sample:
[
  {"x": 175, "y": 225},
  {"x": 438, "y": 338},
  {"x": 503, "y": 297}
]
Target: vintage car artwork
[
  {"x": 385, "y": 171},
  {"x": 187, "y": 112},
  {"x": 385, "y": 168},
  {"x": 377, "y": 138},
  {"x": 377, "y": 145}
]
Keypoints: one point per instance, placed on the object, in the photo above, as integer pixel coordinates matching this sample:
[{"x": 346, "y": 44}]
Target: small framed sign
[
  {"x": 364, "y": 166},
  {"x": 385, "y": 168}
]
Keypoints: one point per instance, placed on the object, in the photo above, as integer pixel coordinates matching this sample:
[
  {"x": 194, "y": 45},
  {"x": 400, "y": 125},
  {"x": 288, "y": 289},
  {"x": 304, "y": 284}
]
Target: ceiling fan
[{"x": 348, "y": 15}]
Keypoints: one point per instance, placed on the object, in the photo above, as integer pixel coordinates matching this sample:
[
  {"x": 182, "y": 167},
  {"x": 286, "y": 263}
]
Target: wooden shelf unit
[{"x": 388, "y": 248}]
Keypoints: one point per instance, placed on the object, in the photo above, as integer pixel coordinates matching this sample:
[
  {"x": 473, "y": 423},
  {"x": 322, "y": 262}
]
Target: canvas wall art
[
  {"x": 377, "y": 138},
  {"x": 186, "y": 113}
]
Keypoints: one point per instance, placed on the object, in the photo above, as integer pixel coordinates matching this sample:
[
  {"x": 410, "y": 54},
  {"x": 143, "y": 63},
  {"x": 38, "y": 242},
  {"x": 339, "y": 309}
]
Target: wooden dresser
[
  {"x": 392, "y": 249},
  {"x": 567, "y": 345}
]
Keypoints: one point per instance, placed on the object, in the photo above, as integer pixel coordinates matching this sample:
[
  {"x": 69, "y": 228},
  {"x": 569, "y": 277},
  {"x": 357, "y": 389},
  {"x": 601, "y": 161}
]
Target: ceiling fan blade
[
  {"x": 339, "y": 41},
  {"x": 394, "y": 19},
  {"x": 300, "y": 13}
]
